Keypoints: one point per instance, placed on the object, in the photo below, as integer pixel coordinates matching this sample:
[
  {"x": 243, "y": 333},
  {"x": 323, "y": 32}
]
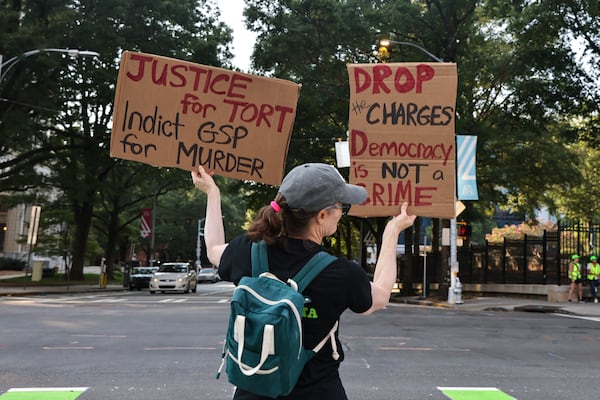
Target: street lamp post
[
  {"x": 453, "y": 251},
  {"x": 6, "y": 66},
  {"x": 199, "y": 243}
]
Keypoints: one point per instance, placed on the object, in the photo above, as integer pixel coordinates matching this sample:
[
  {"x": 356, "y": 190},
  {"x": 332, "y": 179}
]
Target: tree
[
  {"x": 581, "y": 199},
  {"x": 311, "y": 43},
  {"x": 178, "y": 213},
  {"x": 523, "y": 90},
  {"x": 581, "y": 21},
  {"x": 70, "y": 134},
  {"x": 518, "y": 79},
  {"x": 118, "y": 209}
]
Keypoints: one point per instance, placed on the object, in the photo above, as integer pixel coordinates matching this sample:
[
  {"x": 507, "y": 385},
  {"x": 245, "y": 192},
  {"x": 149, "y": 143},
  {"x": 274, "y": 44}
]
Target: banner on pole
[
  {"x": 466, "y": 177},
  {"x": 402, "y": 145},
  {"x": 146, "y": 224}
]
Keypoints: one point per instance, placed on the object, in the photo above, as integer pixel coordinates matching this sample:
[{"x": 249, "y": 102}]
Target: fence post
[
  {"x": 485, "y": 264},
  {"x": 525, "y": 259},
  {"x": 504, "y": 260},
  {"x": 544, "y": 256},
  {"x": 559, "y": 250}
]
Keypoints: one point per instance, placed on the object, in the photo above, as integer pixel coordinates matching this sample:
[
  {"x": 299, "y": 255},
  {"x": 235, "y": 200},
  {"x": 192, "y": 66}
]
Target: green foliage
[
  {"x": 579, "y": 199},
  {"x": 531, "y": 100},
  {"x": 58, "y": 114},
  {"x": 178, "y": 212}
]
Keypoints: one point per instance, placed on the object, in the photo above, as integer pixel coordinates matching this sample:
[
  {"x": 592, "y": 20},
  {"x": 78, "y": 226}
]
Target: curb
[
  {"x": 539, "y": 309},
  {"x": 47, "y": 291},
  {"x": 420, "y": 302}
]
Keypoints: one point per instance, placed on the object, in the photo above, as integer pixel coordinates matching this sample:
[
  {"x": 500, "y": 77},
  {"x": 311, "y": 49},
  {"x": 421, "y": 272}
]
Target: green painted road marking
[
  {"x": 474, "y": 393},
  {"x": 43, "y": 394}
]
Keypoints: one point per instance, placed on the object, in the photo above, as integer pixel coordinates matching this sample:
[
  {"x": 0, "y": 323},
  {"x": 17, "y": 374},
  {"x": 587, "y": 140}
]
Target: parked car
[
  {"x": 140, "y": 277},
  {"x": 208, "y": 275},
  {"x": 174, "y": 276}
]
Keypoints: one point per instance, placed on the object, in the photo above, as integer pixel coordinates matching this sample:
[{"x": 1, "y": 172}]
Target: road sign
[{"x": 460, "y": 207}]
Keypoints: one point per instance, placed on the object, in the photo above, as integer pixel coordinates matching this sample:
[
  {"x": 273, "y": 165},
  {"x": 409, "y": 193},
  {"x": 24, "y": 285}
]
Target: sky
[{"x": 243, "y": 40}]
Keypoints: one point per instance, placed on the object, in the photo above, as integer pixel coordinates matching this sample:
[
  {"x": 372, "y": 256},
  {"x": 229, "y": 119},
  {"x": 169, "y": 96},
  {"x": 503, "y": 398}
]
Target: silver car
[
  {"x": 208, "y": 275},
  {"x": 174, "y": 276}
]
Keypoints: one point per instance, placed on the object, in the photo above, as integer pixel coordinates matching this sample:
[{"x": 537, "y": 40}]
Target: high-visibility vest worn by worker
[
  {"x": 575, "y": 272},
  {"x": 593, "y": 271}
]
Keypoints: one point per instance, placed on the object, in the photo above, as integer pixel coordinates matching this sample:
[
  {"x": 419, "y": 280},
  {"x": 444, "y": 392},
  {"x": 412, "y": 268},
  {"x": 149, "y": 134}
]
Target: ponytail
[{"x": 278, "y": 220}]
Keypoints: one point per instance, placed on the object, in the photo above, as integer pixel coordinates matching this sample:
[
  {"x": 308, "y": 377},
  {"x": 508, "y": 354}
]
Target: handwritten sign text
[{"x": 174, "y": 113}]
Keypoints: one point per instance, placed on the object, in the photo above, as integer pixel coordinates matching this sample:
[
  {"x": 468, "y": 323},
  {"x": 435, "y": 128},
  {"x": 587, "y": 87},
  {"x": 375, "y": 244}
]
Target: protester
[
  {"x": 593, "y": 275},
  {"x": 575, "y": 274},
  {"x": 311, "y": 201}
]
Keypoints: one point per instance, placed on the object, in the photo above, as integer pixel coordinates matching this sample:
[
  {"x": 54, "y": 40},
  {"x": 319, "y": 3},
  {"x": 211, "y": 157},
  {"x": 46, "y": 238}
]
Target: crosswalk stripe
[
  {"x": 71, "y": 301},
  {"x": 596, "y": 319},
  {"x": 109, "y": 300},
  {"x": 43, "y": 393},
  {"x": 66, "y": 393},
  {"x": 475, "y": 393}
]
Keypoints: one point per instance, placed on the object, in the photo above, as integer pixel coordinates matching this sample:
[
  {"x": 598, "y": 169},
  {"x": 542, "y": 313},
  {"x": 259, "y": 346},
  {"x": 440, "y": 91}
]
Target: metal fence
[{"x": 531, "y": 260}]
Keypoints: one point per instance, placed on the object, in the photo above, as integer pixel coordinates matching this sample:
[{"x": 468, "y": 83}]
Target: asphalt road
[{"x": 137, "y": 346}]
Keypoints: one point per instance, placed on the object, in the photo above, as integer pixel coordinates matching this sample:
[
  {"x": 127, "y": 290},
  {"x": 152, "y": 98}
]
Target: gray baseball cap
[{"x": 315, "y": 186}]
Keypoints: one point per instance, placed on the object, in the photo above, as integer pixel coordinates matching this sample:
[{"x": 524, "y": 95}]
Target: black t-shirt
[{"x": 341, "y": 285}]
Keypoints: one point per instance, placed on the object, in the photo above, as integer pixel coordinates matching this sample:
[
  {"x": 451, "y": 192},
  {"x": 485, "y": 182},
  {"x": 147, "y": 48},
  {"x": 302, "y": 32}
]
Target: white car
[{"x": 174, "y": 276}]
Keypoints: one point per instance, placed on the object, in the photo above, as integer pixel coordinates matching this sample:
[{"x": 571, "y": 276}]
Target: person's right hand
[{"x": 203, "y": 180}]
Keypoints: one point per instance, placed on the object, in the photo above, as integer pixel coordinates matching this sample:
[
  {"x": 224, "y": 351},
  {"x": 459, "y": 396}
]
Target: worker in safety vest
[
  {"x": 593, "y": 275},
  {"x": 575, "y": 278}
]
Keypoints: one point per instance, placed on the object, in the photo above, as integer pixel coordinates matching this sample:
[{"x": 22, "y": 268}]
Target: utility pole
[
  {"x": 453, "y": 262},
  {"x": 199, "y": 243},
  {"x": 151, "y": 255}
]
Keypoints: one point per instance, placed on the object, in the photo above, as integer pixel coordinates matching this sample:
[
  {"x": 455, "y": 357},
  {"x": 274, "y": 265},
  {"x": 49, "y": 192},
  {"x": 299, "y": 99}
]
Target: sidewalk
[
  {"x": 497, "y": 303},
  {"x": 25, "y": 288},
  {"x": 491, "y": 303}
]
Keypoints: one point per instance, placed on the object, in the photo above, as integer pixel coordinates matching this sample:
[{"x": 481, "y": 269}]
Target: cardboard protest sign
[
  {"x": 179, "y": 114},
  {"x": 402, "y": 147}
]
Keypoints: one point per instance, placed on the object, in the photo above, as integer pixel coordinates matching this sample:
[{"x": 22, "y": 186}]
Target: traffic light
[
  {"x": 463, "y": 230},
  {"x": 383, "y": 54}
]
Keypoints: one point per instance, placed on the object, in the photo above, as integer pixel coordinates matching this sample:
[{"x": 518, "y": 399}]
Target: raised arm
[
  {"x": 386, "y": 269},
  {"x": 214, "y": 233}
]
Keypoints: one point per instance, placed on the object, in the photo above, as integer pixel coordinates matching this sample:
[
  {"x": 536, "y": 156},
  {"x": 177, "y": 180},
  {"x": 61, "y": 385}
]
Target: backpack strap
[
  {"x": 312, "y": 268},
  {"x": 304, "y": 277},
  {"x": 260, "y": 261}
]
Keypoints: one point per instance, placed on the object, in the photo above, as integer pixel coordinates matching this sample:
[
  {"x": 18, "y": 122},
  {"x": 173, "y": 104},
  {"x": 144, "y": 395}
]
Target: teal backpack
[{"x": 263, "y": 349}]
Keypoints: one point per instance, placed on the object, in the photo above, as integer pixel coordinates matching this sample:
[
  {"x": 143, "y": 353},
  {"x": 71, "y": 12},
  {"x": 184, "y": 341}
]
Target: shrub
[{"x": 11, "y": 264}]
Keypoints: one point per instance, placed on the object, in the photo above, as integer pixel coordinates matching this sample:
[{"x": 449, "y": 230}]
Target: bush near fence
[{"x": 11, "y": 264}]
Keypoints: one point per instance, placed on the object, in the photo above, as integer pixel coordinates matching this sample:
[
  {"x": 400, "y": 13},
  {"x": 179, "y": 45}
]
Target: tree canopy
[
  {"x": 56, "y": 118},
  {"x": 528, "y": 89}
]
